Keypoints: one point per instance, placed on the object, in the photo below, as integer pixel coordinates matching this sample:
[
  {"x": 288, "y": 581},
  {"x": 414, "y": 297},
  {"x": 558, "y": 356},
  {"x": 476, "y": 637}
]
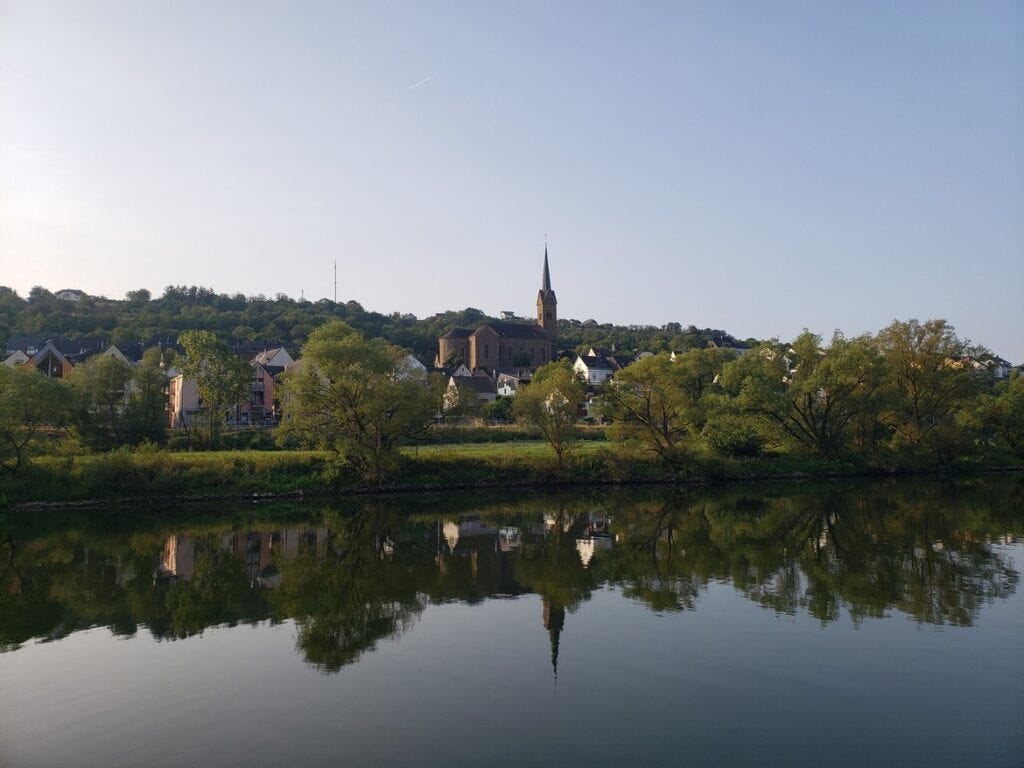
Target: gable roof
[
  {"x": 479, "y": 384},
  {"x": 527, "y": 331},
  {"x": 595, "y": 363},
  {"x": 458, "y": 333}
]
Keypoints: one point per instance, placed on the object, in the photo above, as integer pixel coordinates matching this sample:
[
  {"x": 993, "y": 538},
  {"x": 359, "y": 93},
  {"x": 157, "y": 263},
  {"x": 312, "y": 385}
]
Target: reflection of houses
[
  {"x": 508, "y": 539},
  {"x": 469, "y": 542},
  {"x": 178, "y": 559},
  {"x": 259, "y": 550}
]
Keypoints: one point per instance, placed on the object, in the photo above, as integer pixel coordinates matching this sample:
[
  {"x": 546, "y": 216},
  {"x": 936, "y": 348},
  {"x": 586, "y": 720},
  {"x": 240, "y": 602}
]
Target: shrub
[{"x": 734, "y": 436}]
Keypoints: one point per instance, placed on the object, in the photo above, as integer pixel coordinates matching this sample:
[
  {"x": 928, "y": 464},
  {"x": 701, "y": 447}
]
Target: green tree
[
  {"x": 656, "y": 402},
  {"x": 550, "y": 403},
  {"x": 501, "y": 409},
  {"x": 1002, "y": 414},
  {"x": 29, "y": 403},
  {"x": 454, "y": 360},
  {"x": 353, "y": 396},
  {"x": 809, "y": 394},
  {"x": 100, "y": 386},
  {"x": 146, "y": 411},
  {"x": 222, "y": 379},
  {"x": 930, "y": 379}
]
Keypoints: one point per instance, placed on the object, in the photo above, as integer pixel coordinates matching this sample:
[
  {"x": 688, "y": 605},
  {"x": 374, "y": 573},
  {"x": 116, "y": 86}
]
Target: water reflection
[{"x": 352, "y": 575}]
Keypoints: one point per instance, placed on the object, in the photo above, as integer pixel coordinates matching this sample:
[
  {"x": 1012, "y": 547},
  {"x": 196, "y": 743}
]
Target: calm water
[{"x": 844, "y": 624}]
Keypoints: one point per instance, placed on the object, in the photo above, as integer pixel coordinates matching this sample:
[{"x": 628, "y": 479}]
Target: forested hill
[{"x": 283, "y": 320}]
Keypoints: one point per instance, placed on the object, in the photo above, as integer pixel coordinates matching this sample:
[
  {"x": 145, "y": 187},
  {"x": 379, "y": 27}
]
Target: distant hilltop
[{"x": 259, "y": 321}]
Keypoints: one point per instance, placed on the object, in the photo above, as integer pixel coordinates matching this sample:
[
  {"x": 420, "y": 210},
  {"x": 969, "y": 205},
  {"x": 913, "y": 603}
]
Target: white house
[
  {"x": 596, "y": 370},
  {"x": 277, "y": 357}
]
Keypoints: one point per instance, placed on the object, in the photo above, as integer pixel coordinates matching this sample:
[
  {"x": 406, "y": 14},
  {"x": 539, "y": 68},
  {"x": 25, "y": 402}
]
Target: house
[
  {"x": 73, "y": 350},
  {"x": 459, "y": 387},
  {"x": 510, "y": 380},
  {"x": 51, "y": 361},
  {"x": 261, "y": 407},
  {"x": 183, "y": 401},
  {"x": 70, "y": 294},
  {"x": 277, "y": 357},
  {"x": 411, "y": 368},
  {"x": 999, "y": 367},
  {"x": 17, "y": 357},
  {"x": 503, "y": 344},
  {"x": 595, "y": 369}
]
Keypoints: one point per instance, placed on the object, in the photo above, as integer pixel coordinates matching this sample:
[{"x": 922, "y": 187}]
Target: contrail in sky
[{"x": 425, "y": 80}]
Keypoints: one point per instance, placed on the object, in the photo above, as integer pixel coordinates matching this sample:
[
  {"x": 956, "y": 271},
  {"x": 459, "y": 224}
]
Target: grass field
[
  {"x": 220, "y": 474},
  {"x": 532, "y": 449}
]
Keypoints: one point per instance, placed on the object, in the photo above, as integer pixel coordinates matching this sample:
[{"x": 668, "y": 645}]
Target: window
[{"x": 487, "y": 351}]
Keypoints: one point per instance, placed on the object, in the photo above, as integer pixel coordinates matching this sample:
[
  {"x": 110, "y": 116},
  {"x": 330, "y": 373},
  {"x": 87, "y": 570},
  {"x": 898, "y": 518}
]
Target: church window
[{"x": 487, "y": 351}]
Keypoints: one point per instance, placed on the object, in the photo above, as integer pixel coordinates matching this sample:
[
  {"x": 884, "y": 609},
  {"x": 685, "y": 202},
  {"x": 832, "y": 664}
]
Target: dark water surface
[{"x": 840, "y": 624}]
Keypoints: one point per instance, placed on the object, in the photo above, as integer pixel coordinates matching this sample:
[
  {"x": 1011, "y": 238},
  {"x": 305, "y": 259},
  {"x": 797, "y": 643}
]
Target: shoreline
[{"x": 396, "y": 489}]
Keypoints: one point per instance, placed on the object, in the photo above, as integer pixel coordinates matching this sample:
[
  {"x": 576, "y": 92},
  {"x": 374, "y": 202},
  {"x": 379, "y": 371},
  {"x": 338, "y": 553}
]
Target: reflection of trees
[
  {"x": 354, "y": 592},
  {"x": 923, "y": 549}
]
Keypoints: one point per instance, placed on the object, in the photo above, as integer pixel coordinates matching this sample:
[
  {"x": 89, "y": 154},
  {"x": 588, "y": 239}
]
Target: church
[{"x": 494, "y": 346}]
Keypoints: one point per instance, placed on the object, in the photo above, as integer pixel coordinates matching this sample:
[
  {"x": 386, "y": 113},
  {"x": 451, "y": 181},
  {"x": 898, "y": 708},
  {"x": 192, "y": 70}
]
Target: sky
[{"x": 755, "y": 167}]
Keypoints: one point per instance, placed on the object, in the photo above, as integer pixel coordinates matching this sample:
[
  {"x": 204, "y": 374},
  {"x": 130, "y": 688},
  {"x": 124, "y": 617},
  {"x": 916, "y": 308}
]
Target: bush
[{"x": 733, "y": 436}]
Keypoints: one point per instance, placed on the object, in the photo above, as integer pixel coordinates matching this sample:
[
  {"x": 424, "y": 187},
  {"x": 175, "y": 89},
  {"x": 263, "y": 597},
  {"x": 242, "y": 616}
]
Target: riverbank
[{"x": 204, "y": 476}]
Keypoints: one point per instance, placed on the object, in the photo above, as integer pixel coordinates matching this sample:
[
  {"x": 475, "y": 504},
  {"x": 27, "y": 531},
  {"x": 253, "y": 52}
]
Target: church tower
[{"x": 547, "y": 304}]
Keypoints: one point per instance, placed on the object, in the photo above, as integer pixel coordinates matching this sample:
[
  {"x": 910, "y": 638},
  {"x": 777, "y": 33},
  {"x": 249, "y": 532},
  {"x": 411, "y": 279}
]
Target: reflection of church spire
[{"x": 554, "y": 620}]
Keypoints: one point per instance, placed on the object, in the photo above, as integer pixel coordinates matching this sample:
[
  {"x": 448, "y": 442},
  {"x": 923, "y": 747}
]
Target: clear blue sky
[{"x": 757, "y": 167}]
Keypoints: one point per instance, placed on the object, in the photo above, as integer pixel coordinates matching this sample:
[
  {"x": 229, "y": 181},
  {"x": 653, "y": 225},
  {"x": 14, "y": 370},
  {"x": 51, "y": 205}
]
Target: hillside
[{"x": 239, "y": 319}]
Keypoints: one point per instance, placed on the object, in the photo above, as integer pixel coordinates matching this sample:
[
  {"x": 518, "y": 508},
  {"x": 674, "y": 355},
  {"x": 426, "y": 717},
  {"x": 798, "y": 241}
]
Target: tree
[
  {"x": 222, "y": 379},
  {"x": 550, "y": 403},
  {"x": 353, "y": 396},
  {"x": 146, "y": 411},
  {"x": 930, "y": 378},
  {"x": 454, "y": 360},
  {"x": 1002, "y": 414},
  {"x": 100, "y": 387},
  {"x": 501, "y": 409},
  {"x": 658, "y": 401},
  {"x": 29, "y": 402},
  {"x": 811, "y": 395}
]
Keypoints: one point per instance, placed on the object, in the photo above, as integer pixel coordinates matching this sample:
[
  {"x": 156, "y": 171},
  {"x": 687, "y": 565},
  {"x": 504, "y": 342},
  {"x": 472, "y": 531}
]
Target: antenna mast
[{"x": 335, "y": 282}]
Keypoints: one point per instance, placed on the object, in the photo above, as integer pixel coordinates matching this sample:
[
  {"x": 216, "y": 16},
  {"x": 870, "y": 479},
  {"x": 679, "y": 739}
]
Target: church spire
[
  {"x": 545, "y": 285},
  {"x": 547, "y": 303}
]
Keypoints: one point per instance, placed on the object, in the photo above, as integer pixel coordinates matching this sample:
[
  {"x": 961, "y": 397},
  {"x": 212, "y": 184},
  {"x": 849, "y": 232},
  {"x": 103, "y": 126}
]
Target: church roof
[
  {"x": 517, "y": 331},
  {"x": 458, "y": 333}
]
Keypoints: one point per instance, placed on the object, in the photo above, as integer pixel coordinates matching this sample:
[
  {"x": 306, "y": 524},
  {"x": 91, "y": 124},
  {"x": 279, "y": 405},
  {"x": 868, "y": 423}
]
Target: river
[{"x": 846, "y": 623}]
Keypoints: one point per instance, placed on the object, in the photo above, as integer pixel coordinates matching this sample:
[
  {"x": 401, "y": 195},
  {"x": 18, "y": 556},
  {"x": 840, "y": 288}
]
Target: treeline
[
  {"x": 914, "y": 396},
  {"x": 238, "y": 319}
]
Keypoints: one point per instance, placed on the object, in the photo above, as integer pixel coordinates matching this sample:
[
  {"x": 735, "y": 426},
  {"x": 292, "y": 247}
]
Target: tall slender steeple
[
  {"x": 554, "y": 621},
  {"x": 547, "y": 303},
  {"x": 545, "y": 286}
]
